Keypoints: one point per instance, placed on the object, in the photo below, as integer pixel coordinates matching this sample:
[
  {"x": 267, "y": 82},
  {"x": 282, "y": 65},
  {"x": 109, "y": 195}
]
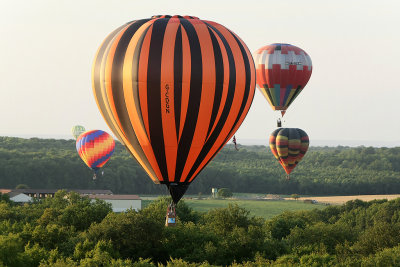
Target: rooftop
[
  {"x": 115, "y": 197},
  {"x": 52, "y": 191}
]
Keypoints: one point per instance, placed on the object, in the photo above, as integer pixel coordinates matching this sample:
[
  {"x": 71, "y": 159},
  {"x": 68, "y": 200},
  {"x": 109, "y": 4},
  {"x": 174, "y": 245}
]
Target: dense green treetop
[{"x": 70, "y": 230}]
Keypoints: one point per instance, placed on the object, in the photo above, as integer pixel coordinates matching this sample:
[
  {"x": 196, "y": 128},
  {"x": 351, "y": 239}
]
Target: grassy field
[
  {"x": 265, "y": 209},
  {"x": 271, "y": 208}
]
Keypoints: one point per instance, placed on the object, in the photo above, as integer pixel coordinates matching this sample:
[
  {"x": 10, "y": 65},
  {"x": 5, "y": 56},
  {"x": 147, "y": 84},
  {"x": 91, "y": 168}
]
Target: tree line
[
  {"x": 70, "y": 230},
  {"x": 55, "y": 164}
]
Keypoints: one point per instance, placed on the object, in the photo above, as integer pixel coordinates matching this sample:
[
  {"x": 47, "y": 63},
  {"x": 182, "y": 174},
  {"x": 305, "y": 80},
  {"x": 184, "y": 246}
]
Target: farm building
[
  {"x": 44, "y": 193},
  {"x": 121, "y": 203},
  {"x": 20, "y": 198}
]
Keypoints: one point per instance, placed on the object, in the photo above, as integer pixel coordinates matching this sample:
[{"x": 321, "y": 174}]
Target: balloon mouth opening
[
  {"x": 177, "y": 191},
  {"x": 174, "y": 16},
  {"x": 281, "y": 108}
]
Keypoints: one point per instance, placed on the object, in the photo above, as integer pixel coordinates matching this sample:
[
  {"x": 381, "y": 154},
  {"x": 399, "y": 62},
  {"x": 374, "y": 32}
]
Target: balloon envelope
[
  {"x": 77, "y": 130},
  {"x": 282, "y": 72},
  {"x": 95, "y": 148},
  {"x": 174, "y": 90},
  {"x": 289, "y": 145}
]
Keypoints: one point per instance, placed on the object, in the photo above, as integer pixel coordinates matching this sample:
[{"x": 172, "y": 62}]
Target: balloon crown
[
  {"x": 174, "y": 16},
  {"x": 281, "y": 44}
]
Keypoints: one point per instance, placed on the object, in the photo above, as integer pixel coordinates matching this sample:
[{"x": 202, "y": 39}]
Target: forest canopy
[
  {"x": 55, "y": 164},
  {"x": 70, "y": 230}
]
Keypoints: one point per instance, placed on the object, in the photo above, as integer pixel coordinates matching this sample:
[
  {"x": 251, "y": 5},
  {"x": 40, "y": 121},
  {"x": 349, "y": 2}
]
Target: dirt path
[{"x": 338, "y": 200}]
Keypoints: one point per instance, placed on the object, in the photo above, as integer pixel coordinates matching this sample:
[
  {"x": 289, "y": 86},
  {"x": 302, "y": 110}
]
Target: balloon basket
[
  {"x": 170, "y": 218},
  {"x": 279, "y": 123}
]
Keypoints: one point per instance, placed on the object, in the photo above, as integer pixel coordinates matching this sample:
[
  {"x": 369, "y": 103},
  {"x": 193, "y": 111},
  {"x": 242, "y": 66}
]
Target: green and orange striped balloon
[
  {"x": 289, "y": 145},
  {"x": 174, "y": 90}
]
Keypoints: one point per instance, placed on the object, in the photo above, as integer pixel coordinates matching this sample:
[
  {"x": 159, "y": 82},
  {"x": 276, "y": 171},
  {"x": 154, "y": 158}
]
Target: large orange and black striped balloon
[
  {"x": 289, "y": 145},
  {"x": 174, "y": 90}
]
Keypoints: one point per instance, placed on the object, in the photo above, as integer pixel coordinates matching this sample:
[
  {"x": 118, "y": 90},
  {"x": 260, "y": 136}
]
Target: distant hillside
[{"x": 52, "y": 163}]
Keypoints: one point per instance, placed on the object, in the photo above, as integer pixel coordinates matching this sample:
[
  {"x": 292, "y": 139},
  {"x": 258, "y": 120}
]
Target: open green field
[{"x": 265, "y": 209}]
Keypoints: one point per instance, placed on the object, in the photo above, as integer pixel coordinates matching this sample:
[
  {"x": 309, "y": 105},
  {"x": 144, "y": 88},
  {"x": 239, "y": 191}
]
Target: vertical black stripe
[
  {"x": 247, "y": 90},
  {"x": 131, "y": 134},
  {"x": 225, "y": 112},
  {"x": 135, "y": 76},
  {"x": 196, "y": 76},
  {"x": 97, "y": 81},
  {"x": 100, "y": 55},
  {"x": 296, "y": 93},
  {"x": 178, "y": 64},
  {"x": 117, "y": 81},
  {"x": 154, "y": 94},
  {"x": 117, "y": 75},
  {"x": 265, "y": 88},
  {"x": 219, "y": 79},
  {"x": 247, "y": 83}
]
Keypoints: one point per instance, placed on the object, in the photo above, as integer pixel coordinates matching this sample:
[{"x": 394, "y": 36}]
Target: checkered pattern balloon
[{"x": 282, "y": 72}]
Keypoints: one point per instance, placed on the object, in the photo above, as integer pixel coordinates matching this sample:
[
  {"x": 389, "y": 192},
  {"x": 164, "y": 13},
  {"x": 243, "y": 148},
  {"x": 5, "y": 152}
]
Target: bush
[{"x": 224, "y": 193}]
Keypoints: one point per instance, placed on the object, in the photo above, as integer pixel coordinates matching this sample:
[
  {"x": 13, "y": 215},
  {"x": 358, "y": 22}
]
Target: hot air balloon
[
  {"x": 77, "y": 130},
  {"x": 289, "y": 145},
  {"x": 174, "y": 90},
  {"x": 283, "y": 70},
  {"x": 95, "y": 149}
]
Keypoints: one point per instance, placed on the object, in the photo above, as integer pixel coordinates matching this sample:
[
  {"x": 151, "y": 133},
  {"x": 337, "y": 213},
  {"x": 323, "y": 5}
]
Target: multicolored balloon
[
  {"x": 289, "y": 145},
  {"x": 283, "y": 70},
  {"x": 77, "y": 130},
  {"x": 174, "y": 90},
  {"x": 95, "y": 148}
]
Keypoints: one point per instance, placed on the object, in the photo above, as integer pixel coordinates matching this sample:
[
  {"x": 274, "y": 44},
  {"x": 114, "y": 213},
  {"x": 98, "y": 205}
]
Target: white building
[
  {"x": 121, "y": 203},
  {"x": 19, "y": 197}
]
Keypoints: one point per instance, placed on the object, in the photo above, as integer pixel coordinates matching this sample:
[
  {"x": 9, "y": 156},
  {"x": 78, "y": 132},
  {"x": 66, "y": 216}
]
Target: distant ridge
[{"x": 251, "y": 142}]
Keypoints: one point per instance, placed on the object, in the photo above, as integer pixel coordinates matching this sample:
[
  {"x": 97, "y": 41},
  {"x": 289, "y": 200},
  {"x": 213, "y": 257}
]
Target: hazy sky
[{"x": 47, "y": 48}]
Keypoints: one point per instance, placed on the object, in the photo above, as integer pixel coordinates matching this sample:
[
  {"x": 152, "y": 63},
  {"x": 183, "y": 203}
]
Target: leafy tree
[
  {"x": 329, "y": 235},
  {"x": 280, "y": 226},
  {"x": 133, "y": 234},
  {"x": 381, "y": 235},
  {"x": 225, "y": 220},
  {"x": 5, "y": 198},
  {"x": 224, "y": 193},
  {"x": 22, "y": 186},
  {"x": 11, "y": 248},
  {"x": 386, "y": 257},
  {"x": 317, "y": 260},
  {"x": 34, "y": 254},
  {"x": 82, "y": 211}
]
